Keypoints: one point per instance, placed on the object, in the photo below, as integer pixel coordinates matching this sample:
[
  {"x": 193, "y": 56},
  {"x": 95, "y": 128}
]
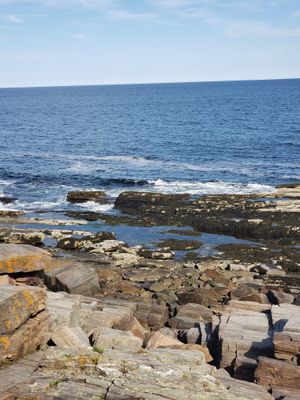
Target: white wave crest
[
  {"x": 200, "y": 188},
  {"x": 92, "y": 206}
]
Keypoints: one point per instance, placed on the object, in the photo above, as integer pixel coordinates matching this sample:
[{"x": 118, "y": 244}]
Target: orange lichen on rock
[{"x": 22, "y": 258}]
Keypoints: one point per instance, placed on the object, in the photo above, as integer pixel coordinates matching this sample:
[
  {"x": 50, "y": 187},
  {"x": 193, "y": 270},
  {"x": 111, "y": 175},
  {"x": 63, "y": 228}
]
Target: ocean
[{"x": 198, "y": 138}]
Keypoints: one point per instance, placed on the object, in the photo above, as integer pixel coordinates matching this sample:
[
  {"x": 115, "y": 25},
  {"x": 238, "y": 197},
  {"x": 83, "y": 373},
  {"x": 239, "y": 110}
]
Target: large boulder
[
  {"x": 22, "y": 258},
  {"x": 78, "y": 196},
  {"x": 24, "y": 322},
  {"x": 72, "y": 278},
  {"x": 244, "y": 334}
]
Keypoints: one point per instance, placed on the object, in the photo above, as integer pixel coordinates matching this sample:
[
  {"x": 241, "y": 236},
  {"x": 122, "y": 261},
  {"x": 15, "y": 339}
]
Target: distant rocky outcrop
[{"x": 79, "y": 196}]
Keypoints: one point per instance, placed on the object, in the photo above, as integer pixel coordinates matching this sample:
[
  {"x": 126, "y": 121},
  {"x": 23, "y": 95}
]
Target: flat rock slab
[
  {"x": 22, "y": 258},
  {"x": 15, "y": 374},
  {"x": 146, "y": 375}
]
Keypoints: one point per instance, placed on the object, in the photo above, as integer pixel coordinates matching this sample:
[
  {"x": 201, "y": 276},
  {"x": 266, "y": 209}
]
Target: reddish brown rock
[{"x": 274, "y": 373}]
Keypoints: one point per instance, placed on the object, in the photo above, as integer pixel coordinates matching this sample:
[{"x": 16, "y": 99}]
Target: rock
[
  {"x": 270, "y": 269},
  {"x": 205, "y": 297},
  {"x": 244, "y": 368},
  {"x": 22, "y": 258},
  {"x": 86, "y": 312},
  {"x": 245, "y": 389},
  {"x": 19, "y": 237},
  {"x": 195, "y": 311},
  {"x": 131, "y": 324},
  {"x": 106, "y": 246},
  {"x": 287, "y": 346},
  {"x": 158, "y": 339},
  {"x": 10, "y": 213},
  {"x": 249, "y": 305},
  {"x": 13, "y": 375},
  {"x": 87, "y": 195},
  {"x": 18, "y": 304},
  {"x": 152, "y": 315},
  {"x": 7, "y": 199},
  {"x": 157, "y": 255},
  {"x": 282, "y": 313},
  {"x": 248, "y": 293},
  {"x": 30, "y": 281},
  {"x": 74, "y": 278},
  {"x": 24, "y": 324},
  {"x": 244, "y": 334},
  {"x": 125, "y": 259},
  {"x": 288, "y": 190},
  {"x": 106, "y": 338},
  {"x": 7, "y": 280},
  {"x": 216, "y": 279},
  {"x": 70, "y": 337},
  {"x": 283, "y": 394},
  {"x": 180, "y": 245},
  {"x": 86, "y": 242},
  {"x": 274, "y": 373},
  {"x": 132, "y": 201},
  {"x": 148, "y": 375}
]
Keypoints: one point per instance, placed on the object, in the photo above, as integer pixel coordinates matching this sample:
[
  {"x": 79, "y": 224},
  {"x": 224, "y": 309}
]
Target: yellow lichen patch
[
  {"x": 4, "y": 342},
  {"x": 28, "y": 297},
  {"x": 24, "y": 263},
  {"x": 7, "y": 324}
]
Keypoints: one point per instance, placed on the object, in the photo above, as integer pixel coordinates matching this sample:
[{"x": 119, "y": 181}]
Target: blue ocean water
[{"x": 221, "y": 137}]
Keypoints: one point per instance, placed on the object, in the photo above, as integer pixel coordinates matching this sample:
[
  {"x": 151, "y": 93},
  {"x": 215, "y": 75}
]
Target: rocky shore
[{"x": 84, "y": 315}]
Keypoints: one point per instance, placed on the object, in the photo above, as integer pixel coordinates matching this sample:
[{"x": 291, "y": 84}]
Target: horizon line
[{"x": 147, "y": 83}]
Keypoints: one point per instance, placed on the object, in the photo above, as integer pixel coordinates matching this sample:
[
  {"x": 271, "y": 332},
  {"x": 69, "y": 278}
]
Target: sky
[{"x": 86, "y": 42}]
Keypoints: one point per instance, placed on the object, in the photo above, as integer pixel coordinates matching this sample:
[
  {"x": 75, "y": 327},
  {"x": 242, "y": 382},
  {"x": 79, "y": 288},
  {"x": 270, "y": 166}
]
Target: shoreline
[{"x": 226, "y": 314}]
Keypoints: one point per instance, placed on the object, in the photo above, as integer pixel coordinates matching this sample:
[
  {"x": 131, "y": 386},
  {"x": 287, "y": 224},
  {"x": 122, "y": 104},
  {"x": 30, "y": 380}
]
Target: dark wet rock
[
  {"x": 180, "y": 245},
  {"x": 7, "y": 199},
  {"x": 84, "y": 196},
  {"x": 182, "y": 232},
  {"x": 132, "y": 201}
]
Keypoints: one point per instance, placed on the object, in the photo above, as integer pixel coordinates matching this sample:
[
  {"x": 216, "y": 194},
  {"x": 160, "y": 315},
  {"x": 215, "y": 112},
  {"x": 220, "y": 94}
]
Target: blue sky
[{"x": 74, "y": 42}]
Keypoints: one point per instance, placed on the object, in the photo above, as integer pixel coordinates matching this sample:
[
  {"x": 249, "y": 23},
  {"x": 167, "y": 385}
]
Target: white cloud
[
  {"x": 127, "y": 15},
  {"x": 259, "y": 29},
  {"x": 80, "y": 36},
  {"x": 13, "y": 19}
]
